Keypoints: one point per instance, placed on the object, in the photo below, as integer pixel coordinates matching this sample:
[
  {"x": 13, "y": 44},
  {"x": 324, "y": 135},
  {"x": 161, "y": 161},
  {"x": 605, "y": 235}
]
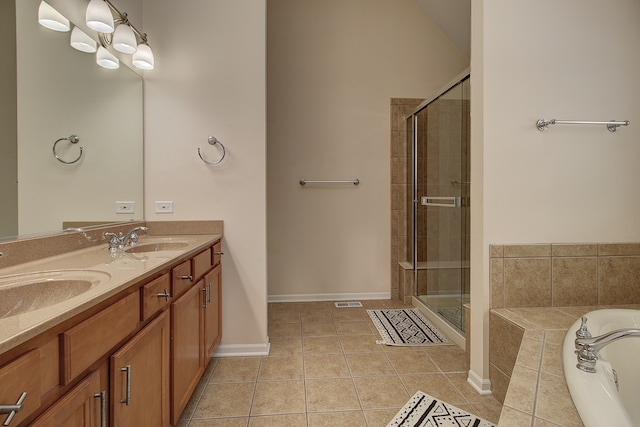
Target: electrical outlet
[
  {"x": 164, "y": 207},
  {"x": 125, "y": 207}
]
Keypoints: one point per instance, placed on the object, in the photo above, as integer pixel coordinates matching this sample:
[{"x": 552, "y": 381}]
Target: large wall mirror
[{"x": 50, "y": 91}]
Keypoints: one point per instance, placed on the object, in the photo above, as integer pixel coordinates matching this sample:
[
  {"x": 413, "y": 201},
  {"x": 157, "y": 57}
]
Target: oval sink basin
[
  {"x": 156, "y": 247},
  {"x": 28, "y": 292}
]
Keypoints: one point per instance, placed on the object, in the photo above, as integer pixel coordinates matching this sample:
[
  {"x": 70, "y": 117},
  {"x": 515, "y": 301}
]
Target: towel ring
[
  {"x": 72, "y": 139},
  {"x": 213, "y": 141}
]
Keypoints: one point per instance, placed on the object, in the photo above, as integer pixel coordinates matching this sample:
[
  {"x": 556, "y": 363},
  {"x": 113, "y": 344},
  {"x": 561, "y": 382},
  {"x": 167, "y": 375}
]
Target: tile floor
[{"x": 325, "y": 369}]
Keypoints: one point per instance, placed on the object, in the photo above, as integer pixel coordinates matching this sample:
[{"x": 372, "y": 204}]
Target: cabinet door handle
[
  {"x": 209, "y": 293},
  {"x": 219, "y": 253},
  {"x": 204, "y": 302},
  {"x": 103, "y": 407},
  {"x": 187, "y": 277},
  {"x": 127, "y": 399},
  {"x": 164, "y": 295},
  {"x": 12, "y": 409}
]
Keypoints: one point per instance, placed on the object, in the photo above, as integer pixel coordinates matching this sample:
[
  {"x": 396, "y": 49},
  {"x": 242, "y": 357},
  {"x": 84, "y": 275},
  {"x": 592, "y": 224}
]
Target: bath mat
[
  {"x": 423, "y": 410},
  {"x": 405, "y": 327}
]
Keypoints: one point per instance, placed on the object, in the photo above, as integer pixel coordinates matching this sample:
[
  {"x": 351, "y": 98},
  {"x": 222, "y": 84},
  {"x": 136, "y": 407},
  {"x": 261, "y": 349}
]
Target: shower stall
[{"x": 438, "y": 203}]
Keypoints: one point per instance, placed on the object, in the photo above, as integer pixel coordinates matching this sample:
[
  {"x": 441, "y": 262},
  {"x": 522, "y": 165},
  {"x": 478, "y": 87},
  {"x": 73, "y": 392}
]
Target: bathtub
[{"x": 595, "y": 395}]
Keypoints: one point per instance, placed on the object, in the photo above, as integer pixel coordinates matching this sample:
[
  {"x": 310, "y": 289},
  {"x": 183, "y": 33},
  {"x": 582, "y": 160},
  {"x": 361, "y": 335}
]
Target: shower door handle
[{"x": 443, "y": 202}]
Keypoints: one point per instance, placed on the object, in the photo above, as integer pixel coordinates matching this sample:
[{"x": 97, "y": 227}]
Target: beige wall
[
  {"x": 210, "y": 80},
  {"x": 566, "y": 60},
  {"x": 332, "y": 68}
]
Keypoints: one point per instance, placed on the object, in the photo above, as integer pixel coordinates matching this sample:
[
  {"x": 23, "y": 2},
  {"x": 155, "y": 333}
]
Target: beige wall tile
[
  {"x": 496, "y": 272},
  {"x": 530, "y": 353},
  {"x": 527, "y": 282},
  {"x": 618, "y": 249},
  {"x": 496, "y": 251},
  {"x": 618, "y": 280},
  {"x": 504, "y": 343},
  {"x": 574, "y": 281},
  {"x": 522, "y": 251},
  {"x": 499, "y": 383},
  {"x": 574, "y": 250}
]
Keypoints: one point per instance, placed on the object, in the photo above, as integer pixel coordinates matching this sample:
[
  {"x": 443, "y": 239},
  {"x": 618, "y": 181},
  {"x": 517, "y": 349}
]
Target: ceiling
[{"x": 454, "y": 19}]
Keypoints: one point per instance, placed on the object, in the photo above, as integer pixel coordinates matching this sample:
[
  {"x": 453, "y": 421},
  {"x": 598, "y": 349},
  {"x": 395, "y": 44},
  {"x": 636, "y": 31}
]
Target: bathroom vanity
[{"x": 128, "y": 350}]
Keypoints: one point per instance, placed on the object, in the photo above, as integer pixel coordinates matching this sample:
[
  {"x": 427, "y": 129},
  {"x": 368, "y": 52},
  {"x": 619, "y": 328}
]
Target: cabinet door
[
  {"x": 212, "y": 311},
  {"x": 83, "y": 406},
  {"x": 186, "y": 347},
  {"x": 139, "y": 377}
]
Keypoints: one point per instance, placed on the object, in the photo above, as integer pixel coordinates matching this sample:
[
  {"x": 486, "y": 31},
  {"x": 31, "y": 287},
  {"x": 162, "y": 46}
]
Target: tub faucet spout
[{"x": 587, "y": 347}]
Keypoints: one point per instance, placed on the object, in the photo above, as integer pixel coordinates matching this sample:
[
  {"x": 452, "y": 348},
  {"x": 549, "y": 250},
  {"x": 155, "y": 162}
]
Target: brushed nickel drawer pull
[
  {"x": 219, "y": 253},
  {"x": 127, "y": 399},
  {"x": 103, "y": 407},
  {"x": 187, "y": 277},
  {"x": 164, "y": 295},
  {"x": 12, "y": 409},
  {"x": 204, "y": 300}
]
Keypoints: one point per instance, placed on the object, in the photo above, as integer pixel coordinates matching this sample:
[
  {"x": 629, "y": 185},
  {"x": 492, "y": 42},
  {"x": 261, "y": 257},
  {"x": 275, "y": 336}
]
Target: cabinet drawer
[
  {"x": 21, "y": 375},
  {"x": 155, "y": 296},
  {"x": 217, "y": 253},
  {"x": 181, "y": 278},
  {"x": 201, "y": 263},
  {"x": 91, "y": 339}
]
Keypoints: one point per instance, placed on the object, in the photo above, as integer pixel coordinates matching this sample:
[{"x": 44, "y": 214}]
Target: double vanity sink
[
  {"x": 39, "y": 294},
  {"x": 102, "y": 334}
]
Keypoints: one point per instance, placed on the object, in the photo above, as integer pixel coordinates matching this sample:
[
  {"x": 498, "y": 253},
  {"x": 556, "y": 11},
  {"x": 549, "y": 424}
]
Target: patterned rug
[
  {"x": 423, "y": 410},
  {"x": 406, "y": 327}
]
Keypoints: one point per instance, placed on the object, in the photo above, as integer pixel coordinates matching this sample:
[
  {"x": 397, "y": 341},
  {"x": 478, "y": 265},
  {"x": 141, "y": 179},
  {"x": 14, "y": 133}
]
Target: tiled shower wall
[
  {"x": 400, "y": 231},
  {"x": 556, "y": 275}
]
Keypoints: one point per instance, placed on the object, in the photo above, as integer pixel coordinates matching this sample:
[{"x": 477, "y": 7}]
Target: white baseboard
[
  {"x": 237, "y": 350},
  {"x": 481, "y": 385},
  {"x": 328, "y": 297}
]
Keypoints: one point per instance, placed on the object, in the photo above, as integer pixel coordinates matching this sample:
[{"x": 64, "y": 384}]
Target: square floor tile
[
  {"x": 285, "y": 346},
  {"x": 321, "y": 345},
  {"x": 281, "y": 368},
  {"x": 412, "y": 362},
  {"x": 331, "y": 395},
  {"x": 381, "y": 392},
  {"x": 288, "y": 420},
  {"x": 369, "y": 364},
  {"x": 325, "y": 366},
  {"x": 236, "y": 369},
  {"x": 353, "y": 328},
  {"x": 278, "y": 397},
  {"x": 360, "y": 343},
  {"x": 318, "y": 329},
  {"x": 225, "y": 400},
  {"x": 335, "y": 419}
]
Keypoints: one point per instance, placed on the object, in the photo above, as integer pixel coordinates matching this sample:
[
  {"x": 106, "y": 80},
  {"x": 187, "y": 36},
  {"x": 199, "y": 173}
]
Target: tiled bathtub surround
[{"x": 559, "y": 275}]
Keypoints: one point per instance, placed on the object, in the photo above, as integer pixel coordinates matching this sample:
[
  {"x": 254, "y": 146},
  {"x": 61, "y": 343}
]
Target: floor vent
[{"x": 346, "y": 304}]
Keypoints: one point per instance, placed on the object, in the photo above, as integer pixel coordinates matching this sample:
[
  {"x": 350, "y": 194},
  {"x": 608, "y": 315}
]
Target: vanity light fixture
[
  {"x": 99, "y": 17},
  {"x": 82, "y": 42},
  {"x": 106, "y": 59},
  {"x": 126, "y": 38},
  {"x": 50, "y": 18}
]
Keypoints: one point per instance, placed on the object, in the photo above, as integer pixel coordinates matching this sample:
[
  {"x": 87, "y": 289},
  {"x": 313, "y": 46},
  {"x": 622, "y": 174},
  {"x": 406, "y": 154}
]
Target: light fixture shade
[
  {"x": 106, "y": 59},
  {"x": 50, "y": 18},
  {"x": 99, "y": 17},
  {"x": 143, "y": 58},
  {"x": 124, "y": 39},
  {"x": 82, "y": 42}
]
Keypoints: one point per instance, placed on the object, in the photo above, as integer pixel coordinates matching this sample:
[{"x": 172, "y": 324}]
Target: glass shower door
[{"x": 442, "y": 208}]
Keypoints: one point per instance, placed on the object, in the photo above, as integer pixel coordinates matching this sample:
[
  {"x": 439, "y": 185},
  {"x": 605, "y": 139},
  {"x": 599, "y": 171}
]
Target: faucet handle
[{"x": 583, "y": 332}]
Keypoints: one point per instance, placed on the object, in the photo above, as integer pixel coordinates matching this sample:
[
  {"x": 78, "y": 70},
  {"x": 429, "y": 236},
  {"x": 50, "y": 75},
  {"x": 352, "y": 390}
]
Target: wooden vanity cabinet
[
  {"x": 85, "y": 405},
  {"x": 132, "y": 360},
  {"x": 140, "y": 377},
  {"x": 212, "y": 311}
]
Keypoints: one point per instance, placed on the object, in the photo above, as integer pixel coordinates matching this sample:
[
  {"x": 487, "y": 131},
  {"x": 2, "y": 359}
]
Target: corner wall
[{"x": 573, "y": 60}]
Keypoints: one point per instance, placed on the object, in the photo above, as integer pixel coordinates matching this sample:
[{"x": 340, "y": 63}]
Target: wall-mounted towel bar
[
  {"x": 306, "y": 181},
  {"x": 611, "y": 125}
]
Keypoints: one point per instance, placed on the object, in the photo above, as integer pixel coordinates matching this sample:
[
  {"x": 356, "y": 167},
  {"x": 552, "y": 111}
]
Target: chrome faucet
[
  {"x": 587, "y": 347},
  {"x": 120, "y": 241}
]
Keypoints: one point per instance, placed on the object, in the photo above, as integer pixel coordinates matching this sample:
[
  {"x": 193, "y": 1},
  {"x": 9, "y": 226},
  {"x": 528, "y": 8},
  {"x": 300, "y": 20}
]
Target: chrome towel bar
[
  {"x": 612, "y": 125},
  {"x": 303, "y": 182}
]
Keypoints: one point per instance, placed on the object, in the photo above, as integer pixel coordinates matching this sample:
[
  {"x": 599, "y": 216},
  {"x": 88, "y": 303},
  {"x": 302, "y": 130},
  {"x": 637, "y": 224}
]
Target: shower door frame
[{"x": 415, "y": 201}]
